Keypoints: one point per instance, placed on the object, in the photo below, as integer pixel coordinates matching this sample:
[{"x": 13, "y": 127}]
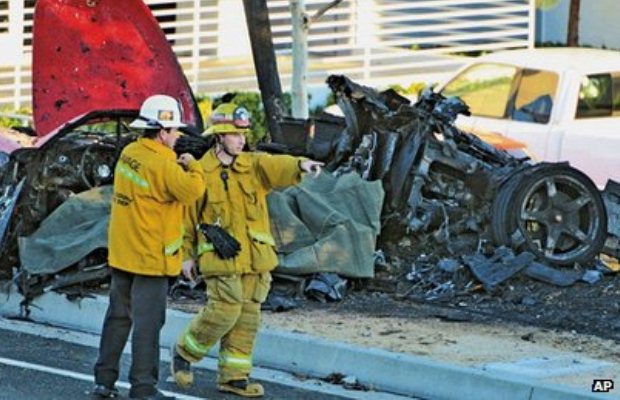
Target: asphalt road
[{"x": 36, "y": 367}]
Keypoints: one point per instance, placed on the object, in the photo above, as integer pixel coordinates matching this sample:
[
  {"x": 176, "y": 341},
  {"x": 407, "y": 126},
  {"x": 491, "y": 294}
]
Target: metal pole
[
  {"x": 196, "y": 47},
  {"x": 299, "y": 91}
]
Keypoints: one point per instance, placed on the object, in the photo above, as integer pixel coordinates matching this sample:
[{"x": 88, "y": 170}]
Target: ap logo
[{"x": 602, "y": 385}]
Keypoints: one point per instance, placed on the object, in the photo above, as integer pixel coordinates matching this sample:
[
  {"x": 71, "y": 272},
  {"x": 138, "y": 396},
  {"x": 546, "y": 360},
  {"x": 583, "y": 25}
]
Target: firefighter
[
  {"x": 235, "y": 200},
  {"x": 151, "y": 188}
]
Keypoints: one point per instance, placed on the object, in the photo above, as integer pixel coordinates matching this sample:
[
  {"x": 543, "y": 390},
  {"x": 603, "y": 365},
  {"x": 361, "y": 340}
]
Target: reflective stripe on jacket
[
  {"x": 240, "y": 206},
  {"x": 146, "y": 223}
]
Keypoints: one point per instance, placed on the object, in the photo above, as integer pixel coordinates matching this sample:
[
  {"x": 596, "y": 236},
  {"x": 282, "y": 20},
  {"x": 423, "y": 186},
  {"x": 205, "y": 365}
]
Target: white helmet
[{"x": 159, "y": 111}]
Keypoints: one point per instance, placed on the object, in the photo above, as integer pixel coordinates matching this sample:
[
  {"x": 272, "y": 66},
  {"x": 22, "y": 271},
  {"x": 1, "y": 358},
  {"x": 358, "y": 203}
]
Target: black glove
[
  {"x": 225, "y": 245},
  {"x": 194, "y": 145}
]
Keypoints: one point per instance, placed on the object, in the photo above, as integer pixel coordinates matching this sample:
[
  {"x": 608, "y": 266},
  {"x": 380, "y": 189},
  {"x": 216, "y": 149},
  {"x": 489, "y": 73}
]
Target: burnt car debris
[
  {"x": 88, "y": 81},
  {"x": 457, "y": 200},
  {"x": 36, "y": 180},
  {"x": 452, "y": 194},
  {"x": 444, "y": 185}
]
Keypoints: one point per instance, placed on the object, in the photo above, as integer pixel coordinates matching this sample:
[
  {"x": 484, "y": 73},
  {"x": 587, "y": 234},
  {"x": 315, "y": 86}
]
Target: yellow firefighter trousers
[{"x": 231, "y": 315}]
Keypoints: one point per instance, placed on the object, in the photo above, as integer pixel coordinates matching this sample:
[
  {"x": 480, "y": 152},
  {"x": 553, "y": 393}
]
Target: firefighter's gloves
[
  {"x": 225, "y": 245},
  {"x": 311, "y": 166}
]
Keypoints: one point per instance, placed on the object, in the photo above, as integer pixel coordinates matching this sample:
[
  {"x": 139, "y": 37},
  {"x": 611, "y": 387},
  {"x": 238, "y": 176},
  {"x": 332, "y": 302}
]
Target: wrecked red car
[{"x": 93, "y": 65}]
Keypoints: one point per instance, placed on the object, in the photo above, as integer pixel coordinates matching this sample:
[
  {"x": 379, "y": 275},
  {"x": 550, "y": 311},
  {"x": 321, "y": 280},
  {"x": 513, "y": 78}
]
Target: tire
[
  {"x": 502, "y": 226},
  {"x": 559, "y": 214}
]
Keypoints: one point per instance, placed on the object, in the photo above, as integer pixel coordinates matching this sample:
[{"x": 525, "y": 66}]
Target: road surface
[{"x": 38, "y": 362}]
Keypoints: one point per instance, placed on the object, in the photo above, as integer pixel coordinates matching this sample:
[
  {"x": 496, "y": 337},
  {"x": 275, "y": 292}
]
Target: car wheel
[
  {"x": 502, "y": 225},
  {"x": 558, "y": 214}
]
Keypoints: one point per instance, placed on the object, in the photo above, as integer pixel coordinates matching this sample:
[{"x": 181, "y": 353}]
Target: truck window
[
  {"x": 595, "y": 96},
  {"x": 485, "y": 88},
  {"x": 534, "y": 97}
]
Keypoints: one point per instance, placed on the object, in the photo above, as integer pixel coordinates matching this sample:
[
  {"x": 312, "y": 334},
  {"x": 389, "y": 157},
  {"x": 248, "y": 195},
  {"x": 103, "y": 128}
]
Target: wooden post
[
  {"x": 572, "y": 38},
  {"x": 259, "y": 29}
]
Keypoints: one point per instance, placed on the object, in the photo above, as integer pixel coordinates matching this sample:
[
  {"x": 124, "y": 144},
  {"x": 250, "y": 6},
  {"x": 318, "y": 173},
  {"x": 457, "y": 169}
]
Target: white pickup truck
[{"x": 563, "y": 104}]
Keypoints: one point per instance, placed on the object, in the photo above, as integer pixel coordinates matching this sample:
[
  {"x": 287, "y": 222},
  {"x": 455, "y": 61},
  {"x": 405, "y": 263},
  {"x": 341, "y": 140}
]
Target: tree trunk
[
  {"x": 259, "y": 29},
  {"x": 572, "y": 38}
]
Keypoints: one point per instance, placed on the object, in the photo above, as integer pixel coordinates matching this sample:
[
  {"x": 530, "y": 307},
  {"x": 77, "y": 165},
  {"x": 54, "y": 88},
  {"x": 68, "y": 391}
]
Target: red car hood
[{"x": 98, "y": 55}]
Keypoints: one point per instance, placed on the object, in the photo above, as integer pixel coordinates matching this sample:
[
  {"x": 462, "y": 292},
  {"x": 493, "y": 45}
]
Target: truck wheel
[{"x": 559, "y": 214}]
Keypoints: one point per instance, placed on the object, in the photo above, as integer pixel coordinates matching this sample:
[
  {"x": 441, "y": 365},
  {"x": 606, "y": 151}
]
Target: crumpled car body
[
  {"x": 454, "y": 193},
  {"x": 36, "y": 180},
  {"x": 94, "y": 62}
]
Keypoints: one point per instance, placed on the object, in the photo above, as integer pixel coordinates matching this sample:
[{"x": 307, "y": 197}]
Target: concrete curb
[{"x": 297, "y": 353}]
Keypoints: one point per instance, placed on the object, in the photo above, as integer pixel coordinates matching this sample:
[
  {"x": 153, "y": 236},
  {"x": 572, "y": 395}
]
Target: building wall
[
  {"x": 599, "y": 25},
  {"x": 375, "y": 42}
]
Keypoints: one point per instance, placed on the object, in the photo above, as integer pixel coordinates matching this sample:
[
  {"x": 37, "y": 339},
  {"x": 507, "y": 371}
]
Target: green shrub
[
  {"x": 205, "y": 106},
  {"x": 10, "y": 121},
  {"x": 472, "y": 53},
  {"x": 413, "y": 89}
]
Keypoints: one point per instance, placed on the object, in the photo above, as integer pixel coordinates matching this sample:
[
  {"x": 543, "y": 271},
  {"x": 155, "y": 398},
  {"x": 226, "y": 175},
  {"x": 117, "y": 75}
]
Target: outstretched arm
[{"x": 278, "y": 171}]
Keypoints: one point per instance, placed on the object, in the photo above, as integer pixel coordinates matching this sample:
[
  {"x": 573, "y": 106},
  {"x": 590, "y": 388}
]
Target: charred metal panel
[
  {"x": 7, "y": 205},
  {"x": 611, "y": 196}
]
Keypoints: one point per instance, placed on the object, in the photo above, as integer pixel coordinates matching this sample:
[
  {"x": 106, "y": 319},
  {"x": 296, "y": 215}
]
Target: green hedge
[{"x": 9, "y": 121}]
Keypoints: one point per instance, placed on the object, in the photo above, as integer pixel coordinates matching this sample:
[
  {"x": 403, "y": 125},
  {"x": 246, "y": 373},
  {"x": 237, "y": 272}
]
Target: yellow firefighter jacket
[
  {"x": 146, "y": 222},
  {"x": 239, "y": 204}
]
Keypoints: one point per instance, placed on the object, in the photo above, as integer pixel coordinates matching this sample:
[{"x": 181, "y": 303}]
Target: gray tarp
[
  {"x": 76, "y": 228},
  {"x": 325, "y": 224}
]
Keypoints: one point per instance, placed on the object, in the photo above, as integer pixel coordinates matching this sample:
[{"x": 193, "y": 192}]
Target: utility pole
[
  {"x": 301, "y": 26},
  {"x": 299, "y": 88},
  {"x": 259, "y": 29},
  {"x": 572, "y": 38}
]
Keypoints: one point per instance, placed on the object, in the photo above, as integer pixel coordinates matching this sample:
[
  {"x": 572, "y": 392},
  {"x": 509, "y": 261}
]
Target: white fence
[{"x": 373, "y": 41}]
